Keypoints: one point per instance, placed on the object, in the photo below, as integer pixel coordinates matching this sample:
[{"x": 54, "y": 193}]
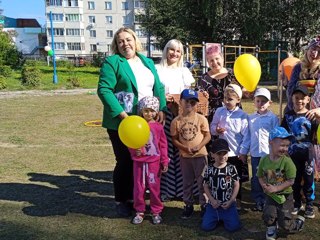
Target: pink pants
[{"x": 147, "y": 175}]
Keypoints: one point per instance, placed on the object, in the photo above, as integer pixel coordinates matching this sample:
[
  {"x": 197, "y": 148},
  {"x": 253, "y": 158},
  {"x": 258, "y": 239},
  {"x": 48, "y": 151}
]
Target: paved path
[{"x": 13, "y": 94}]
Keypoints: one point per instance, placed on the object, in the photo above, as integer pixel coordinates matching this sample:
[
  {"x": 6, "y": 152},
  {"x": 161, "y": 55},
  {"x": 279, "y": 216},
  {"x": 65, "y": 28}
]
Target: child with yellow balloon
[{"x": 148, "y": 162}]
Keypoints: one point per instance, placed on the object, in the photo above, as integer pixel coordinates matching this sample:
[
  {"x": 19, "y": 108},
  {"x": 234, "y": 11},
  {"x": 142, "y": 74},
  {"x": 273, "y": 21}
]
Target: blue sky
[{"x": 24, "y": 9}]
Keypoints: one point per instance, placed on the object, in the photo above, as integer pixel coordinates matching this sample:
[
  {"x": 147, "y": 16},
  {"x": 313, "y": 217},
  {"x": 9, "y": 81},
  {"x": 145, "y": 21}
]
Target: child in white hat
[{"x": 148, "y": 163}]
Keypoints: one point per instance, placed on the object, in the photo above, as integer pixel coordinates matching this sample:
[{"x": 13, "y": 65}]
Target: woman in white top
[{"x": 175, "y": 78}]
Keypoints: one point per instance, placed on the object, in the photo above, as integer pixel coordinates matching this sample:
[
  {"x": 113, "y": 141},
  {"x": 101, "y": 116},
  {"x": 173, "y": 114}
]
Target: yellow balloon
[
  {"x": 247, "y": 70},
  {"x": 318, "y": 135},
  {"x": 134, "y": 132}
]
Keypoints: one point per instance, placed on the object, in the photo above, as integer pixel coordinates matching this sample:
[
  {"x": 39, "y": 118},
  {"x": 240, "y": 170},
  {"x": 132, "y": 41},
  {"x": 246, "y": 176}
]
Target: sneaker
[
  {"x": 297, "y": 209},
  {"x": 156, "y": 219},
  {"x": 187, "y": 212},
  {"x": 138, "y": 218},
  {"x": 309, "y": 213},
  {"x": 271, "y": 233},
  {"x": 299, "y": 222},
  {"x": 203, "y": 209},
  {"x": 123, "y": 210},
  {"x": 258, "y": 207}
]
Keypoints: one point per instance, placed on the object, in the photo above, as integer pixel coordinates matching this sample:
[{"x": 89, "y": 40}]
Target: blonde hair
[
  {"x": 309, "y": 70},
  {"x": 175, "y": 44},
  {"x": 114, "y": 43}
]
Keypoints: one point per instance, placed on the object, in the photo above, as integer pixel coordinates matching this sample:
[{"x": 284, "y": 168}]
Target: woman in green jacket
[{"x": 125, "y": 78}]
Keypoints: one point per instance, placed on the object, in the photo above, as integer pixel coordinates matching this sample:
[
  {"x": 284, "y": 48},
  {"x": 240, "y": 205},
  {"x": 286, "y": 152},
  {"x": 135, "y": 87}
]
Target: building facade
[{"x": 82, "y": 27}]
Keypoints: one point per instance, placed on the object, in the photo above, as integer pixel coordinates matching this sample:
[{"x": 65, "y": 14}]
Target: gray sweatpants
[{"x": 192, "y": 169}]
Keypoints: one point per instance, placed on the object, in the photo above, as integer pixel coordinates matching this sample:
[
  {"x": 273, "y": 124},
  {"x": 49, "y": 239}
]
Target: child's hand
[
  {"x": 195, "y": 149},
  {"x": 268, "y": 188},
  {"x": 169, "y": 98},
  {"x": 164, "y": 168},
  {"x": 220, "y": 130},
  {"x": 214, "y": 203},
  {"x": 138, "y": 152},
  {"x": 227, "y": 204},
  {"x": 189, "y": 150},
  {"x": 243, "y": 158}
]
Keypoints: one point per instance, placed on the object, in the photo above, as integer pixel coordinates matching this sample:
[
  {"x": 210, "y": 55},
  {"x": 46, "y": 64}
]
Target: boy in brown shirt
[{"x": 190, "y": 133}]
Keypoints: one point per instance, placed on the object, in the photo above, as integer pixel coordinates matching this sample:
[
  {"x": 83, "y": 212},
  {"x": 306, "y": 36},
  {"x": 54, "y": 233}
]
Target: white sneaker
[
  {"x": 271, "y": 233},
  {"x": 138, "y": 218},
  {"x": 296, "y": 210}
]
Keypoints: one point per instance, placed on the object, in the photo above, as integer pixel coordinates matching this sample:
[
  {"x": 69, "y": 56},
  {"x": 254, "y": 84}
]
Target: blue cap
[
  {"x": 189, "y": 94},
  {"x": 279, "y": 132}
]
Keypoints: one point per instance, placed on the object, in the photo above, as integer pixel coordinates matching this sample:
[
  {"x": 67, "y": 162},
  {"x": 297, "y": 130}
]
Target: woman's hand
[
  {"x": 169, "y": 98},
  {"x": 220, "y": 130},
  {"x": 161, "y": 117},
  {"x": 313, "y": 114},
  {"x": 123, "y": 115}
]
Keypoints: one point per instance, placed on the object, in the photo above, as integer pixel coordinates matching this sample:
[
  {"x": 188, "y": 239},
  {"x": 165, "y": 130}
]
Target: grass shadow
[{"x": 68, "y": 194}]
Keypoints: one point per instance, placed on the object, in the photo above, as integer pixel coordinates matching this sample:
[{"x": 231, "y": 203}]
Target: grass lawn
[
  {"x": 56, "y": 179},
  {"x": 87, "y": 75}
]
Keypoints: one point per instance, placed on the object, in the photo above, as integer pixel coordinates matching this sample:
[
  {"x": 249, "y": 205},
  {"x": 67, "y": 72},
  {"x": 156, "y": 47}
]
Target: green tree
[
  {"x": 9, "y": 54},
  {"x": 246, "y": 22}
]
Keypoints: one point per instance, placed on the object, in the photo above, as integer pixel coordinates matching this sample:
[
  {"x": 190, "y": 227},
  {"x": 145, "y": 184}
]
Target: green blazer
[{"x": 117, "y": 83}]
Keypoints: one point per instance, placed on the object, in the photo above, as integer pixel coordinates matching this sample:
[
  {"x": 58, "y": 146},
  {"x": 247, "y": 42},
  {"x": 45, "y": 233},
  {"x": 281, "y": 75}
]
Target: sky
[{"x": 24, "y": 9}]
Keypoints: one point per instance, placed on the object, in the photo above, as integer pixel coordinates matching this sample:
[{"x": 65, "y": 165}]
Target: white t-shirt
[
  {"x": 144, "y": 78},
  {"x": 175, "y": 79}
]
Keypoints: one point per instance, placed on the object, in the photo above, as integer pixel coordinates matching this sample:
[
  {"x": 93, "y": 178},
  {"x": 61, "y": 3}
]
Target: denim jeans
[{"x": 257, "y": 193}]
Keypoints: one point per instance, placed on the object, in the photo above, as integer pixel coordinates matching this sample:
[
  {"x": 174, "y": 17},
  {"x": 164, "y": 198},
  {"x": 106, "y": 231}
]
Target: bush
[
  {"x": 73, "y": 82},
  {"x": 64, "y": 63},
  {"x": 31, "y": 76},
  {"x": 3, "y": 83},
  {"x": 5, "y": 71},
  {"x": 33, "y": 63}
]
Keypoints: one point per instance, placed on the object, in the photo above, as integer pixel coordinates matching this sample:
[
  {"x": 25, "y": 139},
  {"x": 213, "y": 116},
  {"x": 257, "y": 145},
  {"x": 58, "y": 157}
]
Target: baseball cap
[
  {"x": 279, "y": 132},
  {"x": 301, "y": 88},
  {"x": 149, "y": 102},
  {"x": 189, "y": 94},
  {"x": 235, "y": 88},
  {"x": 314, "y": 42},
  {"x": 219, "y": 145},
  {"x": 263, "y": 92}
]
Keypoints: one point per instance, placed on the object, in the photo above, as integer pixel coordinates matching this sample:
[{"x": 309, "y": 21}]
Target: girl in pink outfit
[{"x": 148, "y": 163}]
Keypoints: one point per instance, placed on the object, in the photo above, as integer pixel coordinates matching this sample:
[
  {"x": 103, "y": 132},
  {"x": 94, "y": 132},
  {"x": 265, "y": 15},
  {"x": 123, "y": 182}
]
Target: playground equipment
[{"x": 231, "y": 53}]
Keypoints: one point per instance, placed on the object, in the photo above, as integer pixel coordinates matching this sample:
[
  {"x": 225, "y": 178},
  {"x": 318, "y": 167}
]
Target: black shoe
[
  {"x": 123, "y": 210},
  {"x": 203, "y": 209},
  {"x": 187, "y": 212}
]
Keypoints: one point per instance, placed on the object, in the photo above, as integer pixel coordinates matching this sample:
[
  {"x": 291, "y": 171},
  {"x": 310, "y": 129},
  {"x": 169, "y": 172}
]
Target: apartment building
[{"x": 82, "y": 27}]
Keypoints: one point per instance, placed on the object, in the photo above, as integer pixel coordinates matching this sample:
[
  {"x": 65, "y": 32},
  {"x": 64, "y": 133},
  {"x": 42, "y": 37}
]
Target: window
[
  {"x": 91, "y": 5},
  {"x": 71, "y": 3},
  {"x": 139, "y": 4},
  {"x": 55, "y": 17},
  {"x": 56, "y": 31},
  {"x": 75, "y": 46},
  {"x": 125, "y": 19},
  {"x": 108, "y": 47},
  {"x": 124, "y": 6},
  {"x": 93, "y": 33},
  {"x": 108, "y": 19},
  {"x": 54, "y": 2},
  {"x": 73, "y": 17},
  {"x": 92, "y": 19},
  {"x": 74, "y": 32},
  {"x": 108, "y": 5},
  {"x": 93, "y": 47},
  {"x": 140, "y": 33},
  {"x": 58, "y": 45},
  {"x": 109, "y": 33}
]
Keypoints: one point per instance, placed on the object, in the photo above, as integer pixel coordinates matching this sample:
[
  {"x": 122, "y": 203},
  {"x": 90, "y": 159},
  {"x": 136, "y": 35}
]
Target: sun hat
[
  {"x": 235, "y": 88},
  {"x": 279, "y": 132},
  {"x": 149, "y": 102},
  {"x": 263, "y": 92},
  {"x": 189, "y": 94},
  {"x": 301, "y": 88},
  {"x": 219, "y": 145}
]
